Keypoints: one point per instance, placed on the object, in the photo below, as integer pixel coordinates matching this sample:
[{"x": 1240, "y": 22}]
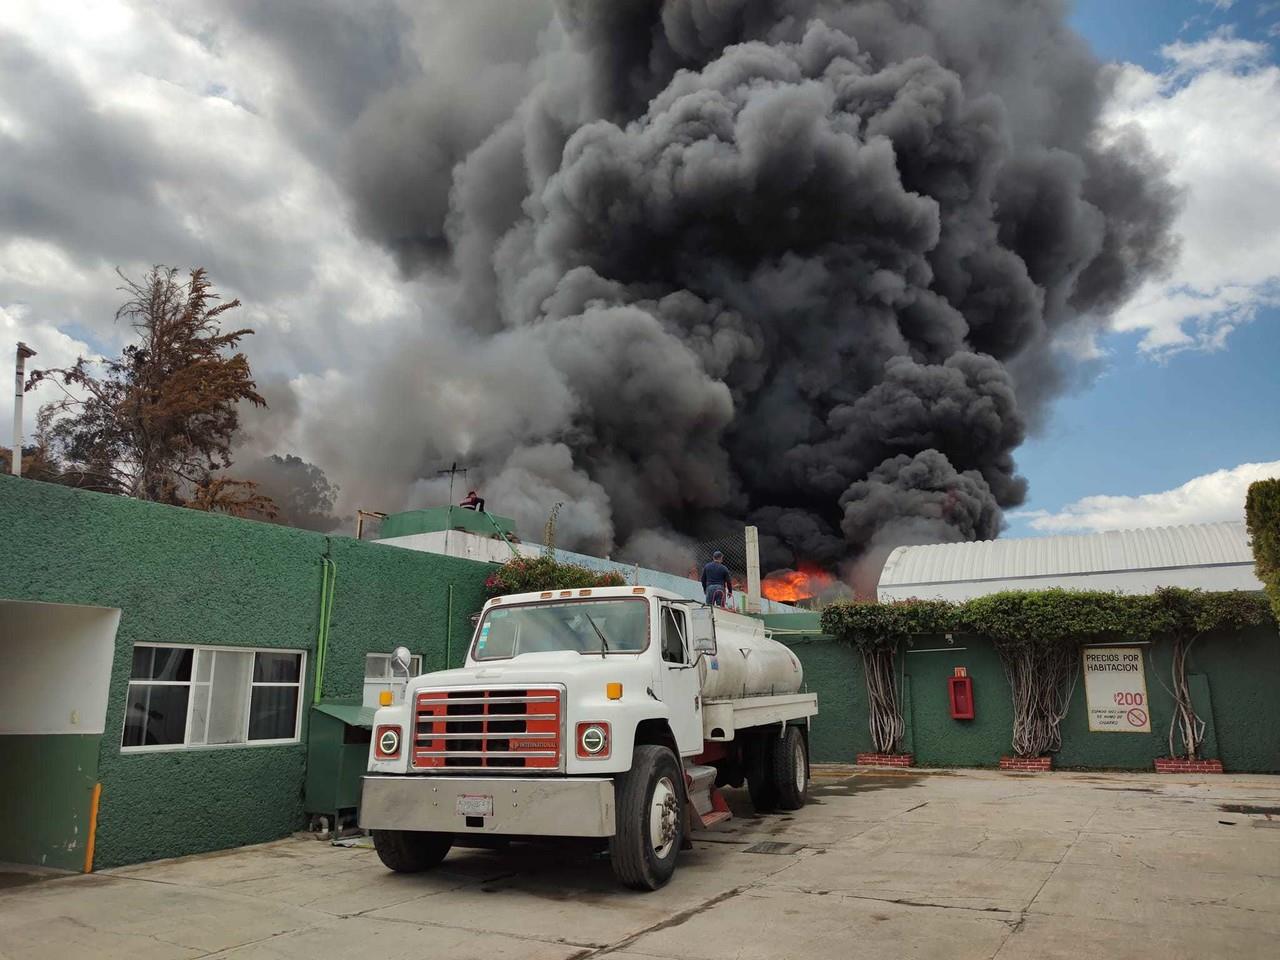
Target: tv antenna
[{"x": 452, "y": 473}]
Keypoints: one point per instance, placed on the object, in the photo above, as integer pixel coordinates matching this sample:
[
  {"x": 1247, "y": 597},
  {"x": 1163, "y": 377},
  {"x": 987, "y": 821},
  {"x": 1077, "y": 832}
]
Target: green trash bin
[{"x": 337, "y": 756}]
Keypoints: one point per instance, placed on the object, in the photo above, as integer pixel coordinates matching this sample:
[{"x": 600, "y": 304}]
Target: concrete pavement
[{"x": 946, "y": 864}]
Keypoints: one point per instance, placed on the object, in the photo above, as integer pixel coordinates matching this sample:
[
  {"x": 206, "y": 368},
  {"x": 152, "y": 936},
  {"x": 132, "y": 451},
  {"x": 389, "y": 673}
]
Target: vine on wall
[{"x": 877, "y": 630}]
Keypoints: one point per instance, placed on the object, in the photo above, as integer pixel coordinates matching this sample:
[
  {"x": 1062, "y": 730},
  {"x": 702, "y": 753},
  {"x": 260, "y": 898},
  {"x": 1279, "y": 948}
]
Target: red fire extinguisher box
[{"x": 960, "y": 692}]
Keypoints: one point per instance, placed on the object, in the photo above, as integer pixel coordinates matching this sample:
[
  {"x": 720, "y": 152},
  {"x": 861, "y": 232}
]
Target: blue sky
[
  {"x": 1152, "y": 420},
  {"x": 1134, "y": 30}
]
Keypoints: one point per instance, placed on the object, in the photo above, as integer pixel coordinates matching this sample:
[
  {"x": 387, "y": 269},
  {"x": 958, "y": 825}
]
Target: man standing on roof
[
  {"x": 472, "y": 501},
  {"x": 716, "y": 581}
]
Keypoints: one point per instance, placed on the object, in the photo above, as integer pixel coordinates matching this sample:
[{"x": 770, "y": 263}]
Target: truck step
[{"x": 708, "y": 803}]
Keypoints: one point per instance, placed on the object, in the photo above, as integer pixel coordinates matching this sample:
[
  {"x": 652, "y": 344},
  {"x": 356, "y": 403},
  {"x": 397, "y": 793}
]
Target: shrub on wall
[
  {"x": 1262, "y": 514},
  {"x": 877, "y": 630},
  {"x": 544, "y": 572}
]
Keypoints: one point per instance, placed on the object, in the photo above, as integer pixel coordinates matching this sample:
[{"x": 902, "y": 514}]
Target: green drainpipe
[
  {"x": 328, "y": 589},
  {"x": 448, "y": 628}
]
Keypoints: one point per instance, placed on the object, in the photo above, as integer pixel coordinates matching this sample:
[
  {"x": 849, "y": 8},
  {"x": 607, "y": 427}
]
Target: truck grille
[{"x": 515, "y": 729}]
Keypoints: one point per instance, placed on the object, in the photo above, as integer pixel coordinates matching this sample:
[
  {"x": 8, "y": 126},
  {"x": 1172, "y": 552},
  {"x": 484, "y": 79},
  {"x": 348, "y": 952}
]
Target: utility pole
[{"x": 19, "y": 374}]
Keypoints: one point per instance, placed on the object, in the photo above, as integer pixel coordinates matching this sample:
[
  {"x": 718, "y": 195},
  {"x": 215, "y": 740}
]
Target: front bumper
[{"x": 527, "y": 806}]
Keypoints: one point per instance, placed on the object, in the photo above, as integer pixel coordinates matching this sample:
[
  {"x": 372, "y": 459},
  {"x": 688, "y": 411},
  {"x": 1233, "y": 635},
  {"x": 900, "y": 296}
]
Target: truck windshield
[{"x": 544, "y": 627}]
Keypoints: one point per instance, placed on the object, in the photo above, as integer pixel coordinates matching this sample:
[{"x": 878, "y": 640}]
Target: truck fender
[{"x": 649, "y": 727}]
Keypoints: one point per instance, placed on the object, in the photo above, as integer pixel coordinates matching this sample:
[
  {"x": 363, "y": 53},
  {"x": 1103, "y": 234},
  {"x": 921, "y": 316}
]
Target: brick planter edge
[
  {"x": 1034, "y": 764},
  {"x": 1180, "y": 765},
  {"x": 885, "y": 759}
]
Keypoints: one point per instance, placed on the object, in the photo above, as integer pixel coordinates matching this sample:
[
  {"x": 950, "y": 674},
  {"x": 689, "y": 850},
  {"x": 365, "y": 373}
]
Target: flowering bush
[{"x": 526, "y": 574}]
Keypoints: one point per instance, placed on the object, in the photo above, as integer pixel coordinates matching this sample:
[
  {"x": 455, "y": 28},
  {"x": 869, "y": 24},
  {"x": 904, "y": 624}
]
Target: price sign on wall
[{"x": 1115, "y": 686}]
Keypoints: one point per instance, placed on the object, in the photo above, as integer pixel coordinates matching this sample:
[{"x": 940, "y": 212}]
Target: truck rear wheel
[
  {"x": 411, "y": 851},
  {"x": 650, "y": 819},
  {"x": 789, "y": 769},
  {"x": 759, "y": 763}
]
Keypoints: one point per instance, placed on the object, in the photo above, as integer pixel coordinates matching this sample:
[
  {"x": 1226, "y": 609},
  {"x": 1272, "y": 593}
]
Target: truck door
[{"x": 681, "y": 685}]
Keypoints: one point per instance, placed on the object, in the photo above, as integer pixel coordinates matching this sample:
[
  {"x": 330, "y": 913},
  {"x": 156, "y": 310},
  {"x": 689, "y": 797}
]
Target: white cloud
[
  {"x": 1204, "y": 499},
  {"x": 1215, "y": 116},
  {"x": 1221, "y": 50},
  {"x": 192, "y": 162}
]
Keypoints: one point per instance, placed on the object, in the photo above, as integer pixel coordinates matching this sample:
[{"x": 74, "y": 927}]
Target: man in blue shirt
[{"x": 716, "y": 581}]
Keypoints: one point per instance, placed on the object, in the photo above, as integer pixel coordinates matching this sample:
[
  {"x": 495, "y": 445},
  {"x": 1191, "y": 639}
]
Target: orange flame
[{"x": 788, "y": 586}]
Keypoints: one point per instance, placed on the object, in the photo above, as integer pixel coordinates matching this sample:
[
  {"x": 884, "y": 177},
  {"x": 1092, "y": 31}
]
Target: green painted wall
[
  {"x": 180, "y": 576},
  {"x": 1243, "y": 675},
  {"x": 387, "y": 597},
  {"x": 45, "y": 807},
  {"x": 446, "y": 518},
  {"x": 939, "y": 741},
  {"x": 1235, "y": 682},
  {"x": 833, "y": 670}
]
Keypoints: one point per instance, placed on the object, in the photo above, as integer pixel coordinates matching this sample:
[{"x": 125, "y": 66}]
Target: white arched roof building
[{"x": 1211, "y": 556}]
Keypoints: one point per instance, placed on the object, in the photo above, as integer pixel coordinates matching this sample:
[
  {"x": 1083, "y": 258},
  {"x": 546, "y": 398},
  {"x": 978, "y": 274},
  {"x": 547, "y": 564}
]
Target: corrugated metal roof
[{"x": 1153, "y": 548}]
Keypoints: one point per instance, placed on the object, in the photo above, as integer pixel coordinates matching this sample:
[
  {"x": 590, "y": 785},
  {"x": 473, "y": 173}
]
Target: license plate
[{"x": 474, "y": 805}]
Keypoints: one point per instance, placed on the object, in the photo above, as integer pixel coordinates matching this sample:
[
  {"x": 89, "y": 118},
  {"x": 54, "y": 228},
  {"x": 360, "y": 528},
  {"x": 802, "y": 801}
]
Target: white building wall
[
  {"x": 55, "y": 667},
  {"x": 1129, "y": 581},
  {"x": 1205, "y": 556}
]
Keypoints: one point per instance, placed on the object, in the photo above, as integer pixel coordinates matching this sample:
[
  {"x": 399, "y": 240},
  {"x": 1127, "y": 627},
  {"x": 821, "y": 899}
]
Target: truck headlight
[
  {"x": 387, "y": 743},
  {"x": 593, "y": 740}
]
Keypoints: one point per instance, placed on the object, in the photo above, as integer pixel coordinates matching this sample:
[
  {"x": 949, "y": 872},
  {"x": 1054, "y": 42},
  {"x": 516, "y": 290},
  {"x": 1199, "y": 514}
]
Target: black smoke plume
[{"x": 799, "y": 263}]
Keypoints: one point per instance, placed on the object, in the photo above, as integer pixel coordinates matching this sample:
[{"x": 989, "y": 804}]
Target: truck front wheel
[
  {"x": 650, "y": 819},
  {"x": 411, "y": 851}
]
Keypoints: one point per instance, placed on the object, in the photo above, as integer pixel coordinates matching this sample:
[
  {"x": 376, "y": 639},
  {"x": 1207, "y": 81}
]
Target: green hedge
[
  {"x": 1262, "y": 514},
  {"x": 1051, "y": 618}
]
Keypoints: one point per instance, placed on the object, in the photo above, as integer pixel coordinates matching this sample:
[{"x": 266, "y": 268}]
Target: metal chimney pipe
[{"x": 18, "y": 378}]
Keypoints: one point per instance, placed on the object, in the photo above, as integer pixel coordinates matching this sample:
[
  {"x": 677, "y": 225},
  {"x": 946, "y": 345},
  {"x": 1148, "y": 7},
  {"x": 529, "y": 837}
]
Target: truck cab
[{"x": 583, "y": 713}]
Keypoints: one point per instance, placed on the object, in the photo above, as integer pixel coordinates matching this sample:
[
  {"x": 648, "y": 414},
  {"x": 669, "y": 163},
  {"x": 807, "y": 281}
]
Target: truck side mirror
[
  {"x": 402, "y": 658},
  {"x": 702, "y": 631}
]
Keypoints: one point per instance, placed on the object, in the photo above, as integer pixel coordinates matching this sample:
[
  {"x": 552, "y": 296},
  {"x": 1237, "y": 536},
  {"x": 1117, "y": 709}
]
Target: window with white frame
[
  {"x": 379, "y": 672},
  {"x": 209, "y": 696}
]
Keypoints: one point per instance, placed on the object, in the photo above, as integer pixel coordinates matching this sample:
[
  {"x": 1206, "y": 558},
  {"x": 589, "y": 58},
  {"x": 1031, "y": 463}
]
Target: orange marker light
[
  {"x": 613, "y": 691},
  {"x": 384, "y": 698}
]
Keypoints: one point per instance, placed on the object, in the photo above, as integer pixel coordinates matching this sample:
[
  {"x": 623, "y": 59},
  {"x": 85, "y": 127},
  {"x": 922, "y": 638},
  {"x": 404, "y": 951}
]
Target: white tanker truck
[{"x": 613, "y": 713}]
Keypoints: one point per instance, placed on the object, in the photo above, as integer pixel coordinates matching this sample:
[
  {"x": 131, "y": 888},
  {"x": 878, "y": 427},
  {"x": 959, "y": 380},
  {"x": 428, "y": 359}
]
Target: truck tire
[
  {"x": 650, "y": 819},
  {"x": 759, "y": 763},
  {"x": 411, "y": 851},
  {"x": 790, "y": 769}
]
